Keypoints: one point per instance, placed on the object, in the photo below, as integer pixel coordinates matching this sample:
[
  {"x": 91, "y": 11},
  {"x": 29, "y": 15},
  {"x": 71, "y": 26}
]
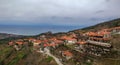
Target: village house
[
  {"x": 115, "y": 30},
  {"x": 56, "y": 41},
  {"x": 17, "y": 44},
  {"x": 31, "y": 39},
  {"x": 36, "y": 42},
  {"x": 104, "y": 33},
  {"x": 81, "y": 45},
  {"x": 36, "y": 45},
  {"x": 52, "y": 44},
  {"x": 72, "y": 35},
  {"x": 68, "y": 40},
  {"x": 67, "y": 54}
]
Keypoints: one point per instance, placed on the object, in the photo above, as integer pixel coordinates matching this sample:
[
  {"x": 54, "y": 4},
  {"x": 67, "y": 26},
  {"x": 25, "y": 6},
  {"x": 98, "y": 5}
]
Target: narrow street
[{"x": 55, "y": 58}]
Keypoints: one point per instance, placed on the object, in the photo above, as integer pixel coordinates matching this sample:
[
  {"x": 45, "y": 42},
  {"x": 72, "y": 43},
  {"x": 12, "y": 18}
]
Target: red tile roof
[
  {"x": 91, "y": 33},
  {"x": 48, "y": 45},
  {"x": 67, "y": 38},
  {"x": 37, "y": 41},
  {"x": 81, "y": 42},
  {"x": 99, "y": 33},
  {"x": 58, "y": 41},
  {"x": 67, "y": 53},
  {"x": 45, "y": 45},
  {"x": 19, "y": 42},
  {"x": 32, "y": 39}
]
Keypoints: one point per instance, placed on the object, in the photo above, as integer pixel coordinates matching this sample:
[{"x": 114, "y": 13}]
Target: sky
[{"x": 58, "y": 12}]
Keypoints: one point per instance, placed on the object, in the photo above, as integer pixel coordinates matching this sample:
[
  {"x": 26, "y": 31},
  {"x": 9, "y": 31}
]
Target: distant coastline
[{"x": 34, "y": 30}]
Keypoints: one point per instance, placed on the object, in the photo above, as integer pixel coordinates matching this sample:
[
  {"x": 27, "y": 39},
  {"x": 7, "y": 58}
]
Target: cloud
[
  {"x": 68, "y": 12},
  {"x": 100, "y": 11}
]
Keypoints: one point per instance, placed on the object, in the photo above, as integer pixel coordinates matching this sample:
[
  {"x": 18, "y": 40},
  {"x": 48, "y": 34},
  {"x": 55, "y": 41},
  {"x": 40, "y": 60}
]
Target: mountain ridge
[
  {"x": 106, "y": 24},
  {"x": 7, "y": 35}
]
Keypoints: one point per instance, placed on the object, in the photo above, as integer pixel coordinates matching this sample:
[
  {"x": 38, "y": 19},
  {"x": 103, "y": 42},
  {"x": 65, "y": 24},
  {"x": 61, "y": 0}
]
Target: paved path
[{"x": 56, "y": 59}]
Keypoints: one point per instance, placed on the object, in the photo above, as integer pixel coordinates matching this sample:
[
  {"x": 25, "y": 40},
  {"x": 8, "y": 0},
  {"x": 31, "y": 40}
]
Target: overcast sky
[{"x": 58, "y": 12}]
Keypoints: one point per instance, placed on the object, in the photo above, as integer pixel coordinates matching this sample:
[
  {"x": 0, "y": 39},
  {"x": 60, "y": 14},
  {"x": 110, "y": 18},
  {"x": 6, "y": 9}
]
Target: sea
[{"x": 35, "y": 29}]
